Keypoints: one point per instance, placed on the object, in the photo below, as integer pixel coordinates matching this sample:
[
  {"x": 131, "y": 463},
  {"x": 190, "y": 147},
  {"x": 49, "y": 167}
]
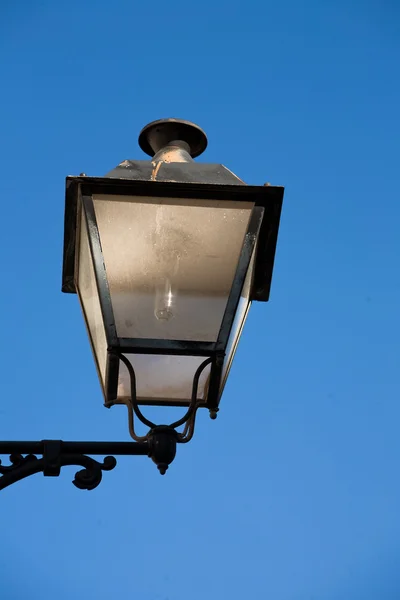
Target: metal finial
[{"x": 159, "y": 134}]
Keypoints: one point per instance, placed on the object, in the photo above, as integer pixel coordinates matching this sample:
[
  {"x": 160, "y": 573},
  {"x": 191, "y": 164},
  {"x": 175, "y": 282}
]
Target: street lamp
[{"x": 166, "y": 256}]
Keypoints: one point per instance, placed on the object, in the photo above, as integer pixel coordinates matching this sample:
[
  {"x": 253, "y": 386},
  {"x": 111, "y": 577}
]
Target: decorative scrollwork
[
  {"x": 87, "y": 478},
  {"x": 90, "y": 477},
  {"x": 16, "y": 460},
  {"x": 20, "y": 467}
]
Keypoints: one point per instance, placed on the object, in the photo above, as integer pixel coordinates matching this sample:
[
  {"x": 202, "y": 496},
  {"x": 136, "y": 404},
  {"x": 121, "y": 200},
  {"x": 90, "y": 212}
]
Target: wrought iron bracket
[
  {"x": 160, "y": 446},
  {"x": 159, "y": 443}
]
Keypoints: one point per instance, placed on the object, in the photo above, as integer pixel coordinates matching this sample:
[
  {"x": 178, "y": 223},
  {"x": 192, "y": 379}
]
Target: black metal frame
[
  {"x": 269, "y": 197},
  {"x": 262, "y": 228}
]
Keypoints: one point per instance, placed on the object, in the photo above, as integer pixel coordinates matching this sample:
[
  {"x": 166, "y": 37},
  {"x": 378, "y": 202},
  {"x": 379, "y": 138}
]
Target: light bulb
[{"x": 165, "y": 302}]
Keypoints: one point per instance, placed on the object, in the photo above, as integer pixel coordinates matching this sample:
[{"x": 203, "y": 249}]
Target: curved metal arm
[
  {"x": 188, "y": 432},
  {"x": 134, "y": 403},
  {"x": 193, "y": 400},
  {"x": 131, "y": 420},
  {"x": 190, "y": 416}
]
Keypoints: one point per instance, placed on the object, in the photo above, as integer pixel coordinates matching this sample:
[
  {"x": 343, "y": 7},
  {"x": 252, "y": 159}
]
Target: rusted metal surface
[
  {"x": 176, "y": 152},
  {"x": 156, "y": 168},
  {"x": 185, "y": 172}
]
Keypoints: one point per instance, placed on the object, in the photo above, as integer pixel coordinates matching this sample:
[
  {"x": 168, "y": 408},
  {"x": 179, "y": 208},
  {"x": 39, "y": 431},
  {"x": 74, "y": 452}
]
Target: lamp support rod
[{"x": 160, "y": 446}]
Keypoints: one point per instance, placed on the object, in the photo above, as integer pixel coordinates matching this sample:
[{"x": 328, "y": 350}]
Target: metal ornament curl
[{"x": 87, "y": 478}]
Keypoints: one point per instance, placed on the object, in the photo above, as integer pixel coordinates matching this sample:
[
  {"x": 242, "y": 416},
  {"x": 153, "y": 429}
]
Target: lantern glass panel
[
  {"x": 170, "y": 263},
  {"x": 239, "y": 321},
  {"x": 89, "y": 299},
  {"x": 162, "y": 378}
]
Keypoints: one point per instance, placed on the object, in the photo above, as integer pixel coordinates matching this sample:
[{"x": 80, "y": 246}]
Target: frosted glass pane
[
  {"x": 238, "y": 322},
  {"x": 163, "y": 377},
  {"x": 87, "y": 291},
  {"x": 170, "y": 263}
]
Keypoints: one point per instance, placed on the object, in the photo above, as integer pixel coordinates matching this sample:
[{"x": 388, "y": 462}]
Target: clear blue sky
[{"x": 294, "y": 492}]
